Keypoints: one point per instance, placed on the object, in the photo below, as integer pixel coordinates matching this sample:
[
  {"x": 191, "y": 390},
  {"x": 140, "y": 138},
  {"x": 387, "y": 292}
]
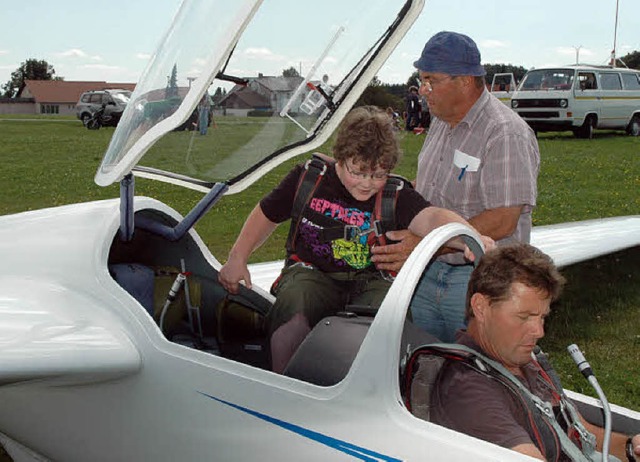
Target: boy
[{"x": 325, "y": 269}]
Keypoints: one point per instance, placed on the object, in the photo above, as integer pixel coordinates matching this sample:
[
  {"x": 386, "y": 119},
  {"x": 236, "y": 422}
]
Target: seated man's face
[{"x": 510, "y": 329}]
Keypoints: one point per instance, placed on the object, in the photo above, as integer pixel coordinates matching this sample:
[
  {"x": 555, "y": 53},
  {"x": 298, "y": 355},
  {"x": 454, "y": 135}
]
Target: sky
[{"x": 113, "y": 40}]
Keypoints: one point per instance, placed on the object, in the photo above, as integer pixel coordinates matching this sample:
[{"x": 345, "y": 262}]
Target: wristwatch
[{"x": 631, "y": 457}]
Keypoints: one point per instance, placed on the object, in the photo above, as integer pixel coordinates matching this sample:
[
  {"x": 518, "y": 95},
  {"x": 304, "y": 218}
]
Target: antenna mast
[{"x": 615, "y": 35}]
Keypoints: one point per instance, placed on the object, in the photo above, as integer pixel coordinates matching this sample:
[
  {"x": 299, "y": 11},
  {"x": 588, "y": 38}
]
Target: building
[
  {"x": 262, "y": 93},
  {"x": 53, "y": 96}
]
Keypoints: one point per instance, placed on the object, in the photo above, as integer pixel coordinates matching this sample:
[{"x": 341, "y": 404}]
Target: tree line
[{"x": 377, "y": 93}]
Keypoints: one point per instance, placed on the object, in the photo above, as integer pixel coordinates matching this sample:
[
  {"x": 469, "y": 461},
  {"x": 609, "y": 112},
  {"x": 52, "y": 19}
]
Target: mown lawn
[{"x": 52, "y": 162}]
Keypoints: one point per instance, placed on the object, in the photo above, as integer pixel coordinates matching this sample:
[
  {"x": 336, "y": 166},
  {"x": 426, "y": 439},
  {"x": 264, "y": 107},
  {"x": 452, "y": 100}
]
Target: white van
[{"x": 580, "y": 98}]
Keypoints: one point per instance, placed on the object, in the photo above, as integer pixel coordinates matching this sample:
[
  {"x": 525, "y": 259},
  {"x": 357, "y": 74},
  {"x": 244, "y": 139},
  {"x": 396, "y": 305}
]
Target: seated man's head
[
  {"x": 366, "y": 149},
  {"x": 509, "y": 296}
]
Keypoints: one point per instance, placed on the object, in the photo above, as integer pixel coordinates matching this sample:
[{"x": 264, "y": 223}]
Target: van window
[
  {"x": 610, "y": 81},
  {"x": 548, "y": 79},
  {"x": 631, "y": 81},
  {"x": 587, "y": 81}
]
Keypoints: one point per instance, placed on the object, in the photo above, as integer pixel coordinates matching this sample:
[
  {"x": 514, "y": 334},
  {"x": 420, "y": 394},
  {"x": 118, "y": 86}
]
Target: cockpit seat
[{"x": 326, "y": 355}]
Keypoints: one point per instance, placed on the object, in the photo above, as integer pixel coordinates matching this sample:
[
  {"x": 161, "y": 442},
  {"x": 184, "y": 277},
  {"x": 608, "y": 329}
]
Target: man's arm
[
  {"x": 255, "y": 231},
  {"x": 528, "y": 449},
  {"x": 497, "y": 223},
  {"x": 392, "y": 257},
  {"x": 618, "y": 442}
]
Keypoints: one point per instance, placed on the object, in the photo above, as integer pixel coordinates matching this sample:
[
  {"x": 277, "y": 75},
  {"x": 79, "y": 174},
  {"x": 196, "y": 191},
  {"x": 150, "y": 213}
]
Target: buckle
[
  {"x": 377, "y": 228},
  {"x": 318, "y": 164},
  {"x": 351, "y": 233}
]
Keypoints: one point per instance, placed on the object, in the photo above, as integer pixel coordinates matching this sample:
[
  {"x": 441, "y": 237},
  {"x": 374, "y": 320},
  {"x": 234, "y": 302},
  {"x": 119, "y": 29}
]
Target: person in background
[
  {"x": 204, "y": 107},
  {"x": 326, "y": 267},
  {"x": 412, "y": 109},
  {"x": 480, "y": 160},
  {"x": 509, "y": 296}
]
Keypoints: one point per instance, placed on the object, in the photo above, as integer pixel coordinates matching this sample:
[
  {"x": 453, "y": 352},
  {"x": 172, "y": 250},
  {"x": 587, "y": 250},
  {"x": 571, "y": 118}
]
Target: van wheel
[
  {"x": 633, "y": 129},
  {"x": 586, "y": 130}
]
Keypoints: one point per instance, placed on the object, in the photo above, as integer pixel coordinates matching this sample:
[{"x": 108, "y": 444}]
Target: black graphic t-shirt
[{"x": 333, "y": 200}]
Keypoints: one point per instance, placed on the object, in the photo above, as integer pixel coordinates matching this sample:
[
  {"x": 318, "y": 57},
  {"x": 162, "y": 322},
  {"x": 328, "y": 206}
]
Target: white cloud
[
  {"x": 96, "y": 58},
  {"x": 4, "y": 52},
  {"x": 72, "y": 53},
  {"x": 262, "y": 53},
  {"x": 572, "y": 51},
  {"x": 104, "y": 67},
  {"x": 258, "y": 52},
  {"x": 143, "y": 56},
  {"x": 493, "y": 44}
]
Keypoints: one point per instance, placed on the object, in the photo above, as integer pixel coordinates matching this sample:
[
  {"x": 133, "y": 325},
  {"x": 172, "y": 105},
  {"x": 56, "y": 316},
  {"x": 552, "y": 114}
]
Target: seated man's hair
[{"x": 501, "y": 267}]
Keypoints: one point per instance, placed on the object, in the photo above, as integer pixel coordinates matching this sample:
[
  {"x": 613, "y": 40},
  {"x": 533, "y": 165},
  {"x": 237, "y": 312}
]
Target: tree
[
  {"x": 492, "y": 69},
  {"x": 172, "y": 85},
  {"x": 377, "y": 94},
  {"x": 632, "y": 60},
  {"x": 31, "y": 69},
  {"x": 217, "y": 96},
  {"x": 290, "y": 72},
  {"x": 413, "y": 80}
]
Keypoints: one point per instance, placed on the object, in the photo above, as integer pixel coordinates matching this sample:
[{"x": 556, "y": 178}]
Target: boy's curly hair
[{"x": 367, "y": 135}]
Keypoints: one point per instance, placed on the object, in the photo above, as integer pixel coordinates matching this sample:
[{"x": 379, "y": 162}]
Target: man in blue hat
[{"x": 480, "y": 159}]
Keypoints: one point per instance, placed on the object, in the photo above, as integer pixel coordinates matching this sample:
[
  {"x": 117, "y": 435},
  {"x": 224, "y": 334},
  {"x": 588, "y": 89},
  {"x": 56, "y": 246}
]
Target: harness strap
[
  {"x": 385, "y": 209},
  {"x": 314, "y": 170},
  {"x": 484, "y": 365}
]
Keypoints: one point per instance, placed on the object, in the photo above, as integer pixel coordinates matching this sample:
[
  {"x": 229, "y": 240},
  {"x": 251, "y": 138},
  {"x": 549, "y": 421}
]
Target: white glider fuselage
[{"x": 85, "y": 373}]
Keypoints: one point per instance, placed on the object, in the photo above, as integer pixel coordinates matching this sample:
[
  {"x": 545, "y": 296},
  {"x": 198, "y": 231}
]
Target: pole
[{"x": 615, "y": 36}]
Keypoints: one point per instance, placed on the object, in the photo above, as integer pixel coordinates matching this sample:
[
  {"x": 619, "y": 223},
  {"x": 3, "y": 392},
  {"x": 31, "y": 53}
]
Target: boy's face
[{"x": 360, "y": 181}]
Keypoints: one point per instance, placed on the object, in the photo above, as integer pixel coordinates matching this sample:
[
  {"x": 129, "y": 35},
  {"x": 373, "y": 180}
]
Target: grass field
[{"x": 49, "y": 162}]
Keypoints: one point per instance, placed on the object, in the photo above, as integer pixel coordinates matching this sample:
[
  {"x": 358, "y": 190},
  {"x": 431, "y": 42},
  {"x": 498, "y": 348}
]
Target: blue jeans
[
  {"x": 203, "y": 120},
  {"x": 438, "y": 304}
]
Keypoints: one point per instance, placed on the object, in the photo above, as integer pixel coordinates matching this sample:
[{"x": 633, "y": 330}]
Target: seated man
[
  {"x": 332, "y": 231},
  {"x": 509, "y": 296}
]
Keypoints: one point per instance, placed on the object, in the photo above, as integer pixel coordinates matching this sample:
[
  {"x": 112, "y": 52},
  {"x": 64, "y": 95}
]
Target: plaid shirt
[{"x": 509, "y": 161}]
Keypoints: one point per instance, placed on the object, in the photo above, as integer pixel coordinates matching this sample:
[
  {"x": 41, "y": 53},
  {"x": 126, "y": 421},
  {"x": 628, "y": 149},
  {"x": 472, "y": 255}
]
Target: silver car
[{"x": 114, "y": 100}]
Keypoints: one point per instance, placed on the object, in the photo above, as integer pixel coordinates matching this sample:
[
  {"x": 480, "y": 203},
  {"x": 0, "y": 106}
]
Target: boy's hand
[{"x": 232, "y": 273}]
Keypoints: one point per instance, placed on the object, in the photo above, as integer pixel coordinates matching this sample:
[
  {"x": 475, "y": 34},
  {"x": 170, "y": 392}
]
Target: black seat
[{"x": 326, "y": 355}]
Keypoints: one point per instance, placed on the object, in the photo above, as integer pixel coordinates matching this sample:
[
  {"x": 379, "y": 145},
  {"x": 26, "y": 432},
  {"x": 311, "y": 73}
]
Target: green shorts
[{"x": 305, "y": 289}]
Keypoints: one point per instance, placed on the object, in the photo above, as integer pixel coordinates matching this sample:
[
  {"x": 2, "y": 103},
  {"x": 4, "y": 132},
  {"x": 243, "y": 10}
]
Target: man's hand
[
  {"x": 391, "y": 257},
  {"x": 635, "y": 442},
  {"x": 232, "y": 273}
]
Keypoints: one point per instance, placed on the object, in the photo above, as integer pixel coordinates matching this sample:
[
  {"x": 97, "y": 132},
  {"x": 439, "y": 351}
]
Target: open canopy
[{"x": 280, "y": 76}]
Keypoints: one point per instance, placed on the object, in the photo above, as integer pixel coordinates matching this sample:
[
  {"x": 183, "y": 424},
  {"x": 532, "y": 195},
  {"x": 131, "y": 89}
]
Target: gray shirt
[
  {"x": 489, "y": 160},
  {"x": 469, "y": 402}
]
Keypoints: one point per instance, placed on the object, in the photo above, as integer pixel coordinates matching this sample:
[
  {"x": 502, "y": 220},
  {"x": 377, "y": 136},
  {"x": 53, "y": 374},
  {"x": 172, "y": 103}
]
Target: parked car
[{"x": 91, "y": 101}]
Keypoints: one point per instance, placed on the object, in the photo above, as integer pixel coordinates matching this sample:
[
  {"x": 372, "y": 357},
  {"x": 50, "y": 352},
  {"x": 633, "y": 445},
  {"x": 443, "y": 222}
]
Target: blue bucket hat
[{"x": 450, "y": 53}]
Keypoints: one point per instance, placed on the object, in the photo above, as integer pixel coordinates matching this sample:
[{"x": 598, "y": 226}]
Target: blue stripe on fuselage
[{"x": 342, "y": 446}]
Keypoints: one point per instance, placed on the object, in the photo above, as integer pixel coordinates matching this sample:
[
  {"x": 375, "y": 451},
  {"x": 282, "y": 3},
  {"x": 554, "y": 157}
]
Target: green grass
[{"x": 49, "y": 163}]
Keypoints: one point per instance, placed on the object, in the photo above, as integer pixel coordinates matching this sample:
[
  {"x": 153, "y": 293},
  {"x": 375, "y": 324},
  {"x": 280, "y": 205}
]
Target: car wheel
[
  {"x": 85, "y": 118},
  {"x": 633, "y": 129}
]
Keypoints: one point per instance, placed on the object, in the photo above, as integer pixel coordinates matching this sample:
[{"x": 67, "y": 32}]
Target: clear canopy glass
[{"x": 276, "y": 73}]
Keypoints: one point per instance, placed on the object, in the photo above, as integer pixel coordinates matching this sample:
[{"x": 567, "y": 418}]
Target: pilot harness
[
  {"x": 422, "y": 370},
  {"x": 382, "y": 220}
]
